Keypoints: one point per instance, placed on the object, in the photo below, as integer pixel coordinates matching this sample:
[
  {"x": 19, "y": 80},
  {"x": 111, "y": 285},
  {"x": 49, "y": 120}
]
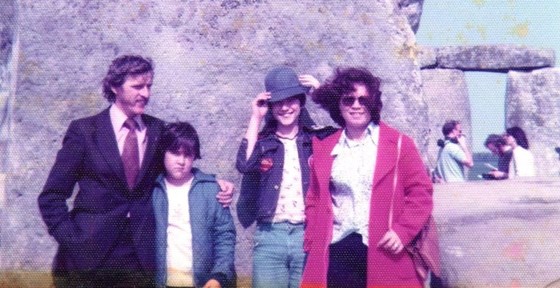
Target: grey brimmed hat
[{"x": 282, "y": 82}]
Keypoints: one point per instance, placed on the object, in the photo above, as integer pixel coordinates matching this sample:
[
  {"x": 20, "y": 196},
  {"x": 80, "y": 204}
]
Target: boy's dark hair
[
  {"x": 180, "y": 136},
  {"x": 120, "y": 68}
]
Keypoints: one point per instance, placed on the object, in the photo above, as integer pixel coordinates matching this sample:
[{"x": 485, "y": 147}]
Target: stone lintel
[{"x": 494, "y": 58}]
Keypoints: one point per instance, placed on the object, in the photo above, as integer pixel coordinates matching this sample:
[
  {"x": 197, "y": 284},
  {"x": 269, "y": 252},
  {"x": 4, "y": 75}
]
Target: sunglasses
[{"x": 349, "y": 100}]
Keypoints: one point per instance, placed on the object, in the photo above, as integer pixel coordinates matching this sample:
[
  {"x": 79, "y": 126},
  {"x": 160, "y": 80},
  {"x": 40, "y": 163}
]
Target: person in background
[
  {"x": 454, "y": 154},
  {"x": 195, "y": 235},
  {"x": 522, "y": 162},
  {"x": 107, "y": 238},
  {"x": 498, "y": 146},
  {"x": 348, "y": 239},
  {"x": 275, "y": 171}
]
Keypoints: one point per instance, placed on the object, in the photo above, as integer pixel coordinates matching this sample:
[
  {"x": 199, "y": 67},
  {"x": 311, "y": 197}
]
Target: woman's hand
[
  {"x": 259, "y": 105},
  {"x": 309, "y": 81},
  {"x": 391, "y": 242}
]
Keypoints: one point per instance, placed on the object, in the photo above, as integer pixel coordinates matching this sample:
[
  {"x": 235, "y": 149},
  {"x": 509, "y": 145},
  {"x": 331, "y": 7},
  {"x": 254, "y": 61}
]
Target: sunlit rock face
[
  {"x": 210, "y": 61},
  {"x": 447, "y": 97},
  {"x": 532, "y": 104},
  {"x": 499, "y": 233}
]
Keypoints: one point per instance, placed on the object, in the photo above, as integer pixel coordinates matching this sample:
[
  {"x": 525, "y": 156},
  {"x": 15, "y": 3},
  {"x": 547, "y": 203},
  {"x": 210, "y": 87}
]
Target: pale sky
[{"x": 535, "y": 23}]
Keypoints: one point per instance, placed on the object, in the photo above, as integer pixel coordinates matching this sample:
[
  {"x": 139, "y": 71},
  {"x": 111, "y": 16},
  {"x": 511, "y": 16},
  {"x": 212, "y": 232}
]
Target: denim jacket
[
  {"x": 212, "y": 228},
  {"x": 262, "y": 174}
]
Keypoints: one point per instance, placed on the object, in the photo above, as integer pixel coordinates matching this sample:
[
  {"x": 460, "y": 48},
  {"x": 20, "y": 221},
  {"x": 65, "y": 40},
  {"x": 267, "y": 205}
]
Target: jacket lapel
[
  {"x": 386, "y": 153},
  {"x": 324, "y": 159},
  {"x": 153, "y": 133},
  {"x": 107, "y": 143}
]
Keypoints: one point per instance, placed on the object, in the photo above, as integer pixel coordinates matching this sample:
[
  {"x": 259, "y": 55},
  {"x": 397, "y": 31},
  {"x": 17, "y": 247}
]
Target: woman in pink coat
[{"x": 347, "y": 236}]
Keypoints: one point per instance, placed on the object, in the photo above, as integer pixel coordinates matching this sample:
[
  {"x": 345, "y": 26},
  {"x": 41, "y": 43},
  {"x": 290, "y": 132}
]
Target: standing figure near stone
[
  {"x": 107, "y": 238},
  {"x": 348, "y": 239},
  {"x": 275, "y": 171},
  {"x": 195, "y": 235},
  {"x": 522, "y": 163},
  {"x": 498, "y": 146},
  {"x": 454, "y": 154}
]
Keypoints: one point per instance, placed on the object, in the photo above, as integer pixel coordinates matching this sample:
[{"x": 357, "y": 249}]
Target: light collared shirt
[
  {"x": 290, "y": 206},
  {"x": 117, "y": 121},
  {"x": 351, "y": 183},
  {"x": 450, "y": 165}
]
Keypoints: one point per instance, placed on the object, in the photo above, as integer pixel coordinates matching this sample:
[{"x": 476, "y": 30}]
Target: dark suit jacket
[{"x": 90, "y": 158}]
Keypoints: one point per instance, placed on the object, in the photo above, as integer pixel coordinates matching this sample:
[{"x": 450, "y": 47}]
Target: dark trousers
[
  {"x": 120, "y": 268},
  {"x": 347, "y": 263}
]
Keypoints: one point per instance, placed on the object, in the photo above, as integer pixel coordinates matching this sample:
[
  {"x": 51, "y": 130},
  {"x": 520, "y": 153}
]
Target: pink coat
[{"x": 412, "y": 207}]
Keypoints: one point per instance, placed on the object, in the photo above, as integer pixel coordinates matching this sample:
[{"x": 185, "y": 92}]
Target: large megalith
[
  {"x": 499, "y": 233},
  {"x": 447, "y": 96},
  {"x": 210, "y": 59},
  {"x": 532, "y": 104}
]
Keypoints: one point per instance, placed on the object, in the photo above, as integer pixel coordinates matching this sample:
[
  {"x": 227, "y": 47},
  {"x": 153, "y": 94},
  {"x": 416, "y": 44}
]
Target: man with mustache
[{"x": 107, "y": 238}]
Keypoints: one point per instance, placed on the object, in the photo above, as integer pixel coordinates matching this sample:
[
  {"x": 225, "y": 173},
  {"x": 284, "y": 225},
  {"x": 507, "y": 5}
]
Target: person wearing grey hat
[{"x": 275, "y": 171}]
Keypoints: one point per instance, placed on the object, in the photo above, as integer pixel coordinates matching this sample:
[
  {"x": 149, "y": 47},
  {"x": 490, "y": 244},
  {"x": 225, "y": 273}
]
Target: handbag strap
[{"x": 399, "y": 143}]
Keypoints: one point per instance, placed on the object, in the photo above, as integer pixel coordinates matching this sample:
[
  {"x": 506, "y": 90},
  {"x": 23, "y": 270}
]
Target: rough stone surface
[
  {"x": 532, "y": 104},
  {"x": 499, "y": 233},
  {"x": 426, "y": 57},
  {"x": 7, "y": 27},
  {"x": 447, "y": 97},
  {"x": 494, "y": 57},
  {"x": 211, "y": 58},
  {"x": 413, "y": 11}
]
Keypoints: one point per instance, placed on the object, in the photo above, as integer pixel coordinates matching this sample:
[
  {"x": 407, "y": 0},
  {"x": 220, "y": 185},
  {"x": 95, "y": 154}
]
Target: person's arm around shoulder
[
  {"x": 223, "y": 270},
  {"x": 60, "y": 184},
  {"x": 468, "y": 161}
]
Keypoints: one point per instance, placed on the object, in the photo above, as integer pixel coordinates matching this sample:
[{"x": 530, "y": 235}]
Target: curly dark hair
[
  {"x": 341, "y": 84},
  {"x": 122, "y": 66}
]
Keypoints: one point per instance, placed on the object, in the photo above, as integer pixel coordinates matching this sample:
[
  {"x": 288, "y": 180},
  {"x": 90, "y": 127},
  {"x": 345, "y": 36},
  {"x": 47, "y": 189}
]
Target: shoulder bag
[{"x": 424, "y": 248}]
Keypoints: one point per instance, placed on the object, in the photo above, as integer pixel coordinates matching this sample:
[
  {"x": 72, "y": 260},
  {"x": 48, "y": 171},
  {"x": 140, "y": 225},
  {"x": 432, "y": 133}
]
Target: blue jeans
[{"x": 278, "y": 256}]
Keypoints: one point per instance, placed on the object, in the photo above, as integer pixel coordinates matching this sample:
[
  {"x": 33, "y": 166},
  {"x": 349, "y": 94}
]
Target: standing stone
[
  {"x": 499, "y": 233},
  {"x": 413, "y": 11},
  {"x": 7, "y": 28},
  {"x": 447, "y": 96},
  {"x": 532, "y": 104},
  {"x": 210, "y": 61}
]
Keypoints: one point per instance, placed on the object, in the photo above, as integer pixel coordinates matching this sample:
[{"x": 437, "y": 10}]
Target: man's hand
[
  {"x": 225, "y": 196},
  {"x": 391, "y": 242},
  {"x": 212, "y": 283}
]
